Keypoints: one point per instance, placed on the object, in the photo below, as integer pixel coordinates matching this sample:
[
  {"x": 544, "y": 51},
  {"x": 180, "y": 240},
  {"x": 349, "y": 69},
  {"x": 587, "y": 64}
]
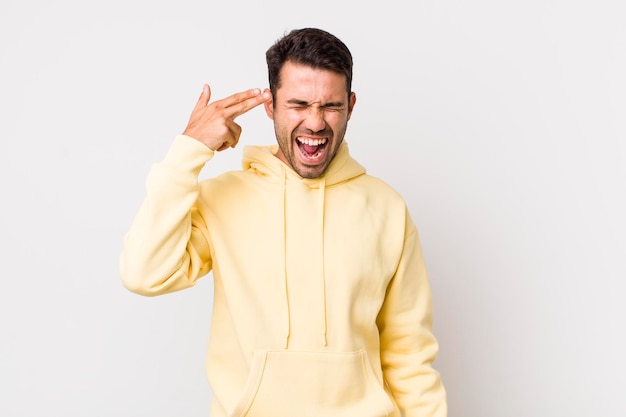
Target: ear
[
  {"x": 269, "y": 105},
  {"x": 351, "y": 104}
]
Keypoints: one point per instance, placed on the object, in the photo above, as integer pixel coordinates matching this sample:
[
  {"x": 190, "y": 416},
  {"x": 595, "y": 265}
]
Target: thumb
[{"x": 205, "y": 96}]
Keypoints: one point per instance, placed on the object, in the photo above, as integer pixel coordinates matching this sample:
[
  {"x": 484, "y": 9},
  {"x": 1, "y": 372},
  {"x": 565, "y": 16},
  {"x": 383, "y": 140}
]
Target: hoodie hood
[{"x": 262, "y": 161}]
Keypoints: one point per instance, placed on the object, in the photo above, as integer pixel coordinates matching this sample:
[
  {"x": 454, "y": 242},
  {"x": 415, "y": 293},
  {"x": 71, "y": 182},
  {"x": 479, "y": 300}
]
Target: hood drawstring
[
  {"x": 285, "y": 283},
  {"x": 322, "y": 192}
]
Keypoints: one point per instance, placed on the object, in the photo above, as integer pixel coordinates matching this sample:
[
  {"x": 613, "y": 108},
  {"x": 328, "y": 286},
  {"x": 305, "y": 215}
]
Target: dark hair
[{"x": 312, "y": 47}]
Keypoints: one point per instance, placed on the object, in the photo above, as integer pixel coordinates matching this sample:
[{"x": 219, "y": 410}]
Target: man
[{"x": 322, "y": 305}]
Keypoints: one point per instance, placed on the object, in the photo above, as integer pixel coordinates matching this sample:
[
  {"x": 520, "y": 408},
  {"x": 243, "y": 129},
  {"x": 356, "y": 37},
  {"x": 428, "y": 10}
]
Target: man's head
[{"x": 310, "y": 77}]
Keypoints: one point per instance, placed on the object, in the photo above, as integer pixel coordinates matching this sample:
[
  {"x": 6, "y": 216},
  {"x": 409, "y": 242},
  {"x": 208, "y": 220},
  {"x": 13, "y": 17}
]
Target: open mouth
[{"x": 311, "y": 150}]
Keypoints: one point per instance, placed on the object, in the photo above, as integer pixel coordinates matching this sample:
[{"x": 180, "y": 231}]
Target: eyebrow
[{"x": 306, "y": 103}]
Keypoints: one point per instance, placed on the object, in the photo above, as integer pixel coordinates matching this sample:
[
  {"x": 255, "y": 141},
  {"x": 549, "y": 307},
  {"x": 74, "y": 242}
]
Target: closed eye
[
  {"x": 333, "y": 108},
  {"x": 302, "y": 105}
]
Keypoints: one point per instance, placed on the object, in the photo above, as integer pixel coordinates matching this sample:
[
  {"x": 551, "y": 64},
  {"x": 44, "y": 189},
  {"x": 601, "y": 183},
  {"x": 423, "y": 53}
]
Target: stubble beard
[{"x": 288, "y": 146}]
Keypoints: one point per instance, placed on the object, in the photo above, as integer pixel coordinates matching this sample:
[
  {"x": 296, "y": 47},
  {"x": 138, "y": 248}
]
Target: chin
[{"x": 312, "y": 173}]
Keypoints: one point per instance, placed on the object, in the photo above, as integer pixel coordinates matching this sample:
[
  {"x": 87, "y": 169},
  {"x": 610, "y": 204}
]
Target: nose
[{"x": 315, "y": 121}]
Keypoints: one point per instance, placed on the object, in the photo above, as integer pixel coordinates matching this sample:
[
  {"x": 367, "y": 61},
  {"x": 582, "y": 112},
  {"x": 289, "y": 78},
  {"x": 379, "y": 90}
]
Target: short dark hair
[{"x": 312, "y": 47}]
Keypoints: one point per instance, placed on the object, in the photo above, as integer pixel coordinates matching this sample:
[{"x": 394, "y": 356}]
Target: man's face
[{"x": 310, "y": 110}]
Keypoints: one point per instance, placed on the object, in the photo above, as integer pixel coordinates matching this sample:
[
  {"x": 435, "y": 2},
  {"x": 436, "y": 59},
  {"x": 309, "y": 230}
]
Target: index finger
[{"x": 240, "y": 103}]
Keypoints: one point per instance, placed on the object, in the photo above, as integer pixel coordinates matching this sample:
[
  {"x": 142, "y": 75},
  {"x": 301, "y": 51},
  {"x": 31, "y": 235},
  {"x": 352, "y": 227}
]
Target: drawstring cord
[
  {"x": 322, "y": 191},
  {"x": 285, "y": 286}
]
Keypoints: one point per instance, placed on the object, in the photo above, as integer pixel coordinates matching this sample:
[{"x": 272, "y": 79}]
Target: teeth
[{"x": 312, "y": 142}]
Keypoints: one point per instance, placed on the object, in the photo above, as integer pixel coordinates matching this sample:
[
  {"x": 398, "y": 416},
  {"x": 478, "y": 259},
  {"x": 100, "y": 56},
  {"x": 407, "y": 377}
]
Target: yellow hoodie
[{"x": 322, "y": 305}]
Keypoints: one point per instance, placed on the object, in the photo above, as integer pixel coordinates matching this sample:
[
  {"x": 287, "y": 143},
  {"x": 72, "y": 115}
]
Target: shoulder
[{"x": 378, "y": 189}]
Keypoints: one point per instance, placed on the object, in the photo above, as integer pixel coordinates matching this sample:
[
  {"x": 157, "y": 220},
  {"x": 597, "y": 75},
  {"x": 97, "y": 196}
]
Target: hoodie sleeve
[
  {"x": 408, "y": 346},
  {"x": 166, "y": 248}
]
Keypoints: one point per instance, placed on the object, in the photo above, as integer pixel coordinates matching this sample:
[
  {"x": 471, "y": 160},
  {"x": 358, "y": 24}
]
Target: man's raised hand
[{"x": 214, "y": 124}]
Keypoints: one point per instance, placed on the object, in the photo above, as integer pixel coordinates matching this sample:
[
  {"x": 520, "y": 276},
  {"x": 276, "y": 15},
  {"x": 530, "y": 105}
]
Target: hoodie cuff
[{"x": 188, "y": 154}]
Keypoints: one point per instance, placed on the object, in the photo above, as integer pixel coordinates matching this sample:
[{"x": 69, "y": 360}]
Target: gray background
[{"x": 501, "y": 122}]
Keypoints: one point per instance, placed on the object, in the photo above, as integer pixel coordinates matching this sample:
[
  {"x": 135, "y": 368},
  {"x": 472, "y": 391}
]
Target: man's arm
[
  {"x": 408, "y": 346},
  {"x": 166, "y": 248}
]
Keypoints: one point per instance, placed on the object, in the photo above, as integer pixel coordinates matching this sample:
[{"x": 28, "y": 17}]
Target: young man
[{"x": 322, "y": 305}]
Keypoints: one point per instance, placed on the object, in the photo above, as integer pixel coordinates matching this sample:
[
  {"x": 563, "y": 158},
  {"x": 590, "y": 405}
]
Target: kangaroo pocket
[{"x": 329, "y": 384}]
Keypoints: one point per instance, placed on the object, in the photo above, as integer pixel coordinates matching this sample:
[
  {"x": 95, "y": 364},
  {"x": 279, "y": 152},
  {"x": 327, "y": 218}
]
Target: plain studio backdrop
[{"x": 501, "y": 122}]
